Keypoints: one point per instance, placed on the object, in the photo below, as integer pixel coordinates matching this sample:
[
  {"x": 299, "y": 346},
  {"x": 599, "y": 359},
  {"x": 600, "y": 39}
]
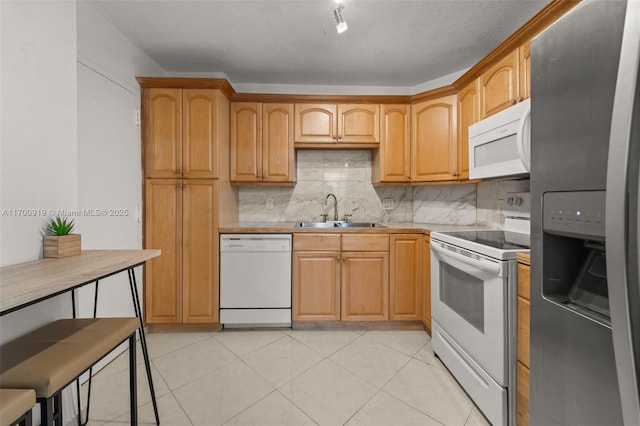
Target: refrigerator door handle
[
  {"x": 620, "y": 216},
  {"x": 523, "y": 139}
]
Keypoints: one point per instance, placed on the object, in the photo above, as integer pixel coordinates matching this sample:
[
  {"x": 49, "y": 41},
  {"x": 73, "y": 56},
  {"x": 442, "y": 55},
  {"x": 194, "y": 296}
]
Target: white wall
[
  {"x": 38, "y": 136},
  {"x": 109, "y": 168}
]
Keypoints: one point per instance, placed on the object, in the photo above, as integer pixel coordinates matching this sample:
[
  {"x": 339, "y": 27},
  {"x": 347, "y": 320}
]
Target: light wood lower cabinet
[
  {"x": 181, "y": 221},
  {"x": 522, "y": 372},
  {"x": 426, "y": 283},
  {"x": 340, "y": 277},
  {"x": 405, "y": 281},
  {"x": 316, "y": 286},
  {"x": 365, "y": 286}
]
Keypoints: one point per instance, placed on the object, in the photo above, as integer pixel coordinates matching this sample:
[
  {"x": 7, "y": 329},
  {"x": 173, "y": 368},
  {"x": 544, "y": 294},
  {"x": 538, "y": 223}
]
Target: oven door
[{"x": 469, "y": 301}]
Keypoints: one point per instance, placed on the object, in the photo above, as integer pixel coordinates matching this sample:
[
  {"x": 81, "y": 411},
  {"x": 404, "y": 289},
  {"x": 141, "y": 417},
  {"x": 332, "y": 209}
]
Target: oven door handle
[{"x": 484, "y": 265}]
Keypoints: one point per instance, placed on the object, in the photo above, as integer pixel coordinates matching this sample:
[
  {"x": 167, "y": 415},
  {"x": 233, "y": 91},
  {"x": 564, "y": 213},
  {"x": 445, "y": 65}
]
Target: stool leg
[
  {"x": 133, "y": 392},
  {"x": 143, "y": 340}
]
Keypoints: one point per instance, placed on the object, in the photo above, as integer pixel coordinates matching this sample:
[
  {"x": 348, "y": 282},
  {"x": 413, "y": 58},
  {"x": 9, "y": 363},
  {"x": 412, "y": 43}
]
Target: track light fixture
[{"x": 341, "y": 24}]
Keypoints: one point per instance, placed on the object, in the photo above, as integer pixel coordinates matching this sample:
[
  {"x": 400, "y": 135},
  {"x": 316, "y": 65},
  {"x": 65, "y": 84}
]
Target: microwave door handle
[
  {"x": 483, "y": 265},
  {"x": 523, "y": 140}
]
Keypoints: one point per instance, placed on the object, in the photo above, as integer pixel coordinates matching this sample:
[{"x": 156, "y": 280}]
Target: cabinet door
[
  {"x": 426, "y": 284},
  {"x": 524, "y": 68},
  {"x": 522, "y": 395},
  {"x": 277, "y": 154},
  {"x": 434, "y": 143},
  {"x": 405, "y": 277},
  {"x": 163, "y": 230},
  {"x": 163, "y": 133},
  {"x": 358, "y": 123},
  {"x": 246, "y": 141},
  {"x": 499, "y": 85},
  {"x": 199, "y": 133},
  {"x": 392, "y": 162},
  {"x": 315, "y": 123},
  {"x": 365, "y": 286},
  {"x": 468, "y": 114},
  {"x": 316, "y": 286},
  {"x": 200, "y": 252}
]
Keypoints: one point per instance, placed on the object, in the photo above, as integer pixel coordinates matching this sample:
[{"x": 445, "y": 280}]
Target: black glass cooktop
[{"x": 502, "y": 240}]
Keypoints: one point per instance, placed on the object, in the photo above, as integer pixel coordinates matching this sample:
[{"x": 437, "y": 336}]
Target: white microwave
[{"x": 499, "y": 146}]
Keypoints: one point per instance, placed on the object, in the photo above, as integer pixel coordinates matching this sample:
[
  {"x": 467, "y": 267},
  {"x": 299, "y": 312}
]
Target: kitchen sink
[
  {"x": 339, "y": 224},
  {"x": 361, "y": 225},
  {"x": 317, "y": 224}
]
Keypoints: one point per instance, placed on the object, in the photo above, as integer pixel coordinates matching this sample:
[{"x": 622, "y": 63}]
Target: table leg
[
  {"x": 95, "y": 313},
  {"x": 143, "y": 339}
]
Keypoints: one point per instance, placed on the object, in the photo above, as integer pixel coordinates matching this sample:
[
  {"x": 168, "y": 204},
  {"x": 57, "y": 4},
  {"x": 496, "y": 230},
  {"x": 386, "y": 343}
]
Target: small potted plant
[{"x": 59, "y": 240}]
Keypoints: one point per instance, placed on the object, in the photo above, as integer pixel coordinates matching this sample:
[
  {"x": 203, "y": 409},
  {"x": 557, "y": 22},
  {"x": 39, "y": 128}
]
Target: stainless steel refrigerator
[{"x": 585, "y": 143}]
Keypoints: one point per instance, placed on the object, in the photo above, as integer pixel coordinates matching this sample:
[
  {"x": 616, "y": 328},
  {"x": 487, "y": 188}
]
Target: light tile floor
[{"x": 287, "y": 377}]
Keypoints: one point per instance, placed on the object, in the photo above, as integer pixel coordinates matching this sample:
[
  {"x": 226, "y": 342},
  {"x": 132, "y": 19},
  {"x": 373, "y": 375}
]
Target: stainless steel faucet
[{"x": 335, "y": 205}]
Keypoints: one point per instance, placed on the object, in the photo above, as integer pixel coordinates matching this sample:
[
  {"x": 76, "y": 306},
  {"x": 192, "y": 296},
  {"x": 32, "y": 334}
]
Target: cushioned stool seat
[
  {"x": 51, "y": 357},
  {"x": 14, "y": 403}
]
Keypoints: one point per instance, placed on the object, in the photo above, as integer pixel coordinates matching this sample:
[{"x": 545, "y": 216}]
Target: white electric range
[{"x": 474, "y": 307}]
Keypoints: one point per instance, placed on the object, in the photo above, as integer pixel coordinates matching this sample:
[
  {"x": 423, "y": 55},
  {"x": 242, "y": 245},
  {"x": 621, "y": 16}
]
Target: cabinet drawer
[
  {"x": 522, "y": 395},
  {"x": 523, "y": 331},
  {"x": 314, "y": 242},
  {"x": 524, "y": 281},
  {"x": 370, "y": 242}
]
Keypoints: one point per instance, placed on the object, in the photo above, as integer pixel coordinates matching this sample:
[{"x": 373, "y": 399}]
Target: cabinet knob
[
  {"x": 339, "y": 136},
  {"x": 454, "y": 174},
  {"x": 513, "y": 101},
  {"x": 335, "y": 138},
  {"x": 520, "y": 99}
]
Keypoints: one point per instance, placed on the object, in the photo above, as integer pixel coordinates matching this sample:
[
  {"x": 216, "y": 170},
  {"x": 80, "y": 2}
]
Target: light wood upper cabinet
[
  {"x": 468, "y": 114},
  {"x": 181, "y": 133},
  {"x": 405, "y": 276},
  {"x": 392, "y": 161},
  {"x": 343, "y": 123},
  {"x": 426, "y": 283},
  {"x": 524, "y": 55},
  {"x": 316, "y": 123},
  {"x": 499, "y": 85},
  {"x": 182, "y": 284},
  {"x": 358, "y": 123},
  {"x": 246, "y": 141},
  {"x": 163, "y": 133},
  {"x": 434, "y": 143},
  {"x": 262, "y": 143},
  {"x": 199, "y": 129},
  {"x": 278, "y": 163}
]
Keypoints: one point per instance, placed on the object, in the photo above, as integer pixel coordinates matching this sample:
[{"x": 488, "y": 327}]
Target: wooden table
[{"x": 27, "y": 283}]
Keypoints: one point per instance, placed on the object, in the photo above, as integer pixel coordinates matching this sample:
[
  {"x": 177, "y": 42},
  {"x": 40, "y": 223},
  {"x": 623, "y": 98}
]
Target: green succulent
[{"x": 60, "y": 226}]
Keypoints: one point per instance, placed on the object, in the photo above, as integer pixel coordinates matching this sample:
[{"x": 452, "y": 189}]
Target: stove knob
[
  {"x": 518, "y": 201},
  {"x": 510, "y": 201}
]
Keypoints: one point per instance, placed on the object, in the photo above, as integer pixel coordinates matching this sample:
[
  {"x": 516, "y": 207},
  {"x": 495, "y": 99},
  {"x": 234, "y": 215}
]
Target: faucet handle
[
  {"x": 324, "y": 217},
  {"x": 347, "y": 216}
]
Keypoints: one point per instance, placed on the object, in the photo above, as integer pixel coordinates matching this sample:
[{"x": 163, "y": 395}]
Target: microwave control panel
[{"x": 578, "y": 213}]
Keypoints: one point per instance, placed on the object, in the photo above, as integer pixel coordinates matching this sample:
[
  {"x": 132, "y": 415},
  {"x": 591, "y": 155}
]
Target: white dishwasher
[{"x": 255, "y": 280}]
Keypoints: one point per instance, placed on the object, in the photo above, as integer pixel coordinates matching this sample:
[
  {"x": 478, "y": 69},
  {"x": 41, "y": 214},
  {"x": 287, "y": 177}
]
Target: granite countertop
[{"x": 390, "y": 228}]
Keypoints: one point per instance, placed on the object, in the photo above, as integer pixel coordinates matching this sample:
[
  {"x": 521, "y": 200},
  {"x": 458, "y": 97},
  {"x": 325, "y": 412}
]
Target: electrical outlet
[
  {"x": 269, "y": 203},
  {"x": 138, "y": 118},
  {"x": 388, "y": 204}
]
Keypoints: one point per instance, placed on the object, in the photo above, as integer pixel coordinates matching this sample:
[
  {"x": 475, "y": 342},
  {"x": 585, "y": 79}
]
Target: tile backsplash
[{"x": 347, "y": 174}]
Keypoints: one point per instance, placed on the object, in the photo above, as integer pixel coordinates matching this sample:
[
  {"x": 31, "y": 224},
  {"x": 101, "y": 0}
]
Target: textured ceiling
[{"x": 389, "y": 42}]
